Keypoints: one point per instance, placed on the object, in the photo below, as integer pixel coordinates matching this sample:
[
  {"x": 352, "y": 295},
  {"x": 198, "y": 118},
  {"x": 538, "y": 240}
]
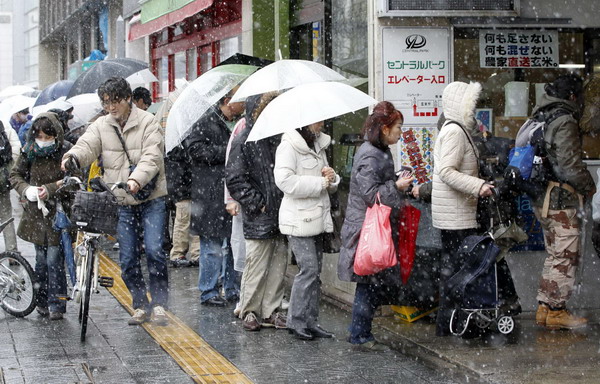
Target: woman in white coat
[{"x": 306, "y": 180}]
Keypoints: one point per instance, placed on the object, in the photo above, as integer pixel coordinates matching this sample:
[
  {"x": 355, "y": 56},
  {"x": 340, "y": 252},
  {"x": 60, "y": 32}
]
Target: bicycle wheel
[
  {"x": 17, "y": 289},
  {"x": 87, "y": 290}
]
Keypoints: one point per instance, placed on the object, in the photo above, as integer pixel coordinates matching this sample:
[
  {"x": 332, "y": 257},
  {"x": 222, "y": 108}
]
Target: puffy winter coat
[
  {"x": 144, "y": 141},
  {"x": 206, "y": 146},
  {"x": 306, "y": 208},
  {"x": 372, "y": 172},
  {"x": 564, "y": 150},
  {"x": 456, "y": 183},
  {"x": 41, "y": 171},
  {"x": 251, "y": 183}
]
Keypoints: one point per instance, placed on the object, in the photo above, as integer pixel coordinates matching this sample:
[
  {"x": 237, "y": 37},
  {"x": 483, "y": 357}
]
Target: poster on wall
[
  {"x": 416, "y": 151},
  {"x": 416, "y": 69},
  {"x": 518, "y": 48}
]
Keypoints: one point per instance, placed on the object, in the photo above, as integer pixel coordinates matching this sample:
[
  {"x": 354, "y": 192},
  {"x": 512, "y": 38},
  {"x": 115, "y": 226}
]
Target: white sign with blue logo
[{"x": 416, "y": 68}]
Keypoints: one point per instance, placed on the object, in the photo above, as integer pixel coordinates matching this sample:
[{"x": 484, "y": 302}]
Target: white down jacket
[
  {"x": 456, "y": 183},
  {"x": 305, "y": 208}
]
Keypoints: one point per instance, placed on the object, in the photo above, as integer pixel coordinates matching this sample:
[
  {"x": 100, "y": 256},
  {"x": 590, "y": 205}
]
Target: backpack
[
  {"x": 5, "y": 148},
  {"x": 529, "y": 169}
]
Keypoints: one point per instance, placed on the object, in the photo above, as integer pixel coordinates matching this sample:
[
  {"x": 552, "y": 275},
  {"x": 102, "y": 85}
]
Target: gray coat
[{"x": 372, "y": 172}]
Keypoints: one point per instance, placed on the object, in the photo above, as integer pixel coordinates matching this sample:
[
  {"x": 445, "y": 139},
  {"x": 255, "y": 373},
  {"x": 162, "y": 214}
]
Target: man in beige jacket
[{"x": 143, "y": 140}]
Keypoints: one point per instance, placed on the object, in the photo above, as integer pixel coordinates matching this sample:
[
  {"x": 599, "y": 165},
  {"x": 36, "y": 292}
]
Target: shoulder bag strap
[{"x": 123, "y": 144}]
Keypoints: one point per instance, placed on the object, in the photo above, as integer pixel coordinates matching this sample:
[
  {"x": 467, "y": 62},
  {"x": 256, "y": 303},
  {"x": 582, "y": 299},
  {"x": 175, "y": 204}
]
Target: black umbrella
[
  {"x": 240, "y": 58},
  {"x": 90, "y": 80},
  {"x": 53, "y": 92}
]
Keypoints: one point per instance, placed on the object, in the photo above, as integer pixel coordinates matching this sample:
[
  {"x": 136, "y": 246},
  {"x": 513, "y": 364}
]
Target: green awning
[{"x": 154, "y": 9}]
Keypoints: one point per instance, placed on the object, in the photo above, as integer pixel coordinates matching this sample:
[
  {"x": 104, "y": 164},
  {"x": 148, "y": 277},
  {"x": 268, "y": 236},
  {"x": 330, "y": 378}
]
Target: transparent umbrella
[
  {"x": 285, "y": 74},
  {"x": 199, "y": 96},
  {"x": 85, "y": 106},
  {"x": 13, "y": 105},
  {"x": 14, "y": 90},
  {"x": 141, "y": 77},
  {"x": 307, "y": 104}
]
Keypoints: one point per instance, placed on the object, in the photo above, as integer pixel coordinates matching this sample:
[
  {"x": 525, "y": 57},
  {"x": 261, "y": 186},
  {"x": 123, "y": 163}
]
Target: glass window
[
  {"x": 205, "y": 61},
  {"x": 180, "y": 65},
  {"x": 163, "y": 76},
  {"x": 192, "y": 63},
  {"x": 229, "y": 47}
]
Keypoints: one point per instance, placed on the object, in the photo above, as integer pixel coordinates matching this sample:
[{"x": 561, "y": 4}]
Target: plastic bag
[{"x": 375, "y": 251}]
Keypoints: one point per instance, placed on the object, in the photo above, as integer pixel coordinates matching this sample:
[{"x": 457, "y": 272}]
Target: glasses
[{"x": 108, "y": 103}]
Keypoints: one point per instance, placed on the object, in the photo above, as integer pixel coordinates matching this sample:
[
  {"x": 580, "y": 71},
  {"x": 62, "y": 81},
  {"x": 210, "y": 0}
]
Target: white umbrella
[
  {"x": 14, "y": 104},
  {"x": 307, "y": 104},
  {"x": 285, "y": 74},
  {"x": 199, "y": 96},
  {"x": 85, "y": 106},
  {"x": 141, "y": 77},
  {"x": 14, "y": 90},
  {"x": 59, "y": 103}
]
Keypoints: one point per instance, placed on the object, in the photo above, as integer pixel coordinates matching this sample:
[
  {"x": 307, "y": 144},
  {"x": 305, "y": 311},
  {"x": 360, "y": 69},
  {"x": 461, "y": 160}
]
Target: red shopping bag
[
  {"x": 407, "y": 239},
  {"x": 375, "y": 251}
]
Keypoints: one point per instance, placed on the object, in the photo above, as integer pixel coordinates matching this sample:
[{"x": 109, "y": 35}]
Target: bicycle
[
  {"x": 92, "y": 227},
  {"x": 17, "y": 283}
]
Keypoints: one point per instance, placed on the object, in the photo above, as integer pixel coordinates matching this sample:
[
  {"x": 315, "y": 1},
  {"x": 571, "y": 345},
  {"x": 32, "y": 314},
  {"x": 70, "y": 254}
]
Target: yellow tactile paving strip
[{"x": 194, "y": 355}]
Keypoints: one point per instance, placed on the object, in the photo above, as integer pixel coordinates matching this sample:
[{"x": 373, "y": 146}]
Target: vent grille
[{"x": 451, "y": 5}]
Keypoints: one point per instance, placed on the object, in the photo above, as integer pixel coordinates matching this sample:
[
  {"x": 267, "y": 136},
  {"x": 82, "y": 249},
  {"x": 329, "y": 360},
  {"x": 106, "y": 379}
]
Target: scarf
[{"x": 33, "y": 151}]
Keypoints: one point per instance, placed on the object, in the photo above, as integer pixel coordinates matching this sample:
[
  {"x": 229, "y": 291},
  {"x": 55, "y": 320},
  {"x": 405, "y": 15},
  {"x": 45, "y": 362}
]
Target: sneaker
[
  {"x": 139, "y": 317},
  {"x": 43, "y": 311},
  {"x": 159, "y": 316},
  {"x": 56, "y": 316},
  {"x": 277, "y": 320},
  {"x": 370, "y": 346},
  {"x": 115, "y": 247},
  {"x": 541, "y": 314},
  {"x": 250, "y": 323},
  {"x": 285, "y": 304},
  {"x": 194, "y": 263},
  {"x": 562, "y": 319}
]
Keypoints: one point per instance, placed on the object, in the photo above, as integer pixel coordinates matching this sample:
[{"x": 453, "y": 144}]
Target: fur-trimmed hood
[{"x": 459, "y": 101}]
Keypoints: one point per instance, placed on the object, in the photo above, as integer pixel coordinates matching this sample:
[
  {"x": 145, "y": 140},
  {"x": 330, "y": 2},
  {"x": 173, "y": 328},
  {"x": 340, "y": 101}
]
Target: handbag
[
  {"x": 332, "y": 242},
  {"x": 147, "y": 190},
  {"x": 375, "y": 251}
]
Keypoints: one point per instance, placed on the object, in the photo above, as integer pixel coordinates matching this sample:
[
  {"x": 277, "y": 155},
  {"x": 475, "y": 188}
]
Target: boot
[
  {"x": 562, "y": 319},
  {"x": 541, "y": 314}
]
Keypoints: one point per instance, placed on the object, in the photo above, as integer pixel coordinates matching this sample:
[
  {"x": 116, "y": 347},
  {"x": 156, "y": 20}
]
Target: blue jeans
[
  {"x": 366, "y": 300},
  {"x": 148, "y": 217},
  {"x": 216, "y": 256},
  {"x": 50, "y": 275}
]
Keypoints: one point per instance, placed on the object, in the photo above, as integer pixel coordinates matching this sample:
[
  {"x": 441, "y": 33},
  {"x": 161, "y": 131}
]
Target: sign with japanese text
[
  {"x": 518, "y": 48},
  {"x": 416, "y": 69}
]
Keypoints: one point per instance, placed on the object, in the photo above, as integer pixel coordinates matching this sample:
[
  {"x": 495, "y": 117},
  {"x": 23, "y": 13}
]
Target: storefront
[{"x": 188, "y": 38}]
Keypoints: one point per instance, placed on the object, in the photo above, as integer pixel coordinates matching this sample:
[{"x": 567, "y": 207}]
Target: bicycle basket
[{"x": 95, "y": 212}]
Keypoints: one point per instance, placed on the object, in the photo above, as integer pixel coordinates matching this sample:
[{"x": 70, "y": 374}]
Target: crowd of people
[{"x": 241, "y": 206}]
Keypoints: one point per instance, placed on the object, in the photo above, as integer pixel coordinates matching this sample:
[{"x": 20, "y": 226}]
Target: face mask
[{"x": 44, "y": 144}]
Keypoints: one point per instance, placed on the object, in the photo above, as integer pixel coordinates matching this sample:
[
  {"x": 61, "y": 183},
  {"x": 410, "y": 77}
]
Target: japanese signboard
[
  {"x": 518, "y": 48},
  {"x": 416, "y": 152},
  {"x": 416, "y": 69}
]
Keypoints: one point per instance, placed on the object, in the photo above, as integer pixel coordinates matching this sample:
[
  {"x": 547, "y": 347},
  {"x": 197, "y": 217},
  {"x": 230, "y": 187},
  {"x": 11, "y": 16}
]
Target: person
[
  {"x": 10, "y": 238},
  {"x": 36, "y": 177},
  {"x": 142, "y": 98},
  {"x": 372, "y": 174},
  {"x": 143, "y": 140},
  {"x": 306, "y": 179},
  {"x": 570, "y": 183},
  {"x": 251, "y": 183},
  {"x": 18, "y": 119},
  {"x": 206, "y": 146},
  {"x": 456, "y": 184},
  {"x": 179, "y": 184}
]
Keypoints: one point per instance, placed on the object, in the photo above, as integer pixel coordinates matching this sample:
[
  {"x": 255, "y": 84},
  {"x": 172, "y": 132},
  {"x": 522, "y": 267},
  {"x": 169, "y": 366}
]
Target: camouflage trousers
[{"x": 561, "y": 237}]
